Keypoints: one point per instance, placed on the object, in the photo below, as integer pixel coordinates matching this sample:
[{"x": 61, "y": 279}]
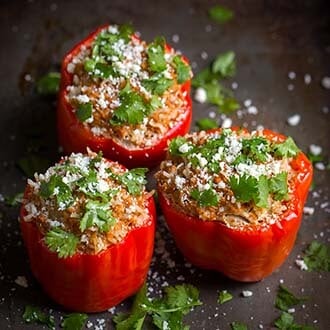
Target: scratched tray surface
[{"x": 277, "y": 43}]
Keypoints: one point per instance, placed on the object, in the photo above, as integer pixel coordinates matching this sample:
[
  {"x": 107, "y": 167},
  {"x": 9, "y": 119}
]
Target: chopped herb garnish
[
  {"x": 182, "y": 69},
  {"x": 286, "y": 299},
  {"x": 224, "y": 296},
  {"x": 206, "y": 197},
  {"x": 56, "y": 187},
  {"x": 84, "y": 111},
  {"x": 134, "y": 180},
  {"x": 209, "y": 80},
  {"x": 224, "y": 64},
  {"x": 256, "y": 148},
  {"x": 49, "y": 84},
  {"x": 286, "y": 322},
  {"x": 156, "y": 55},
  {"x": 244, "y": 187},
  {"x": 317, "y": 257},
  {"x": 133, "y": 108},
  {"x": 74, "y": 321},
  {"x": 206, "y": 123},
  {"x": 167, "y": 311},
  {"x": 157, "y": 84},
  {"x": 175, "y": 146},
  {"x": 32, "y": 164},
  {"x": 62, "y": 242},
  {"x": 288, "y": 148},
  {"x": 34, "y": 314},
  {"x": 278, "y": 186},
  {"x": 220, "y": 14},
  {"x": 97, "y": 214},
  {"x": 238, "y": 326},
  {"x": 14, "y": 200}
]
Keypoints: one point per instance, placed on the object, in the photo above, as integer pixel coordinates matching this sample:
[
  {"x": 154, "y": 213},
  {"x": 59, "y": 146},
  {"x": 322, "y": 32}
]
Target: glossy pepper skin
[
  {"x": 73, "y": 136},
  {"x": 249, "y": 254},
  {"x": 92, "y": 282}
]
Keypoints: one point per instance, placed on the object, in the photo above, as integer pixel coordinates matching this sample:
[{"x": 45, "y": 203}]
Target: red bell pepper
[
  {"x": 91, "y": 282},
  {"x": 241, "y": 253},
  {"x": 75, "y": 137}
]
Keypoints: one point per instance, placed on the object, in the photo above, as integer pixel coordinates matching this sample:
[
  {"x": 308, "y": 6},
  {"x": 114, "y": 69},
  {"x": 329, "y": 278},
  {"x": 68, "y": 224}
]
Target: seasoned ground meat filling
[
  {"x": 126, "y": 89},
  {"x": 235, "y": 177},
  {"x": 91, "y": 200}
]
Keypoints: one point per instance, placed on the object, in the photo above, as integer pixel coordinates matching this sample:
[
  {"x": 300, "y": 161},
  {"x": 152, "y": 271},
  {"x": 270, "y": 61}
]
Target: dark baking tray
[{"x": 270, "y": 38}]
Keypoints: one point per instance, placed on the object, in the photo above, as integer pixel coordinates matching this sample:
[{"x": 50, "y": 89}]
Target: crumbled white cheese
[
  {"x": 185, "y": 148},
  {"x": 294, "y": 120},
  {"x": 326, "y": 82},
  {"x": 70, "y": 67},
  {"x": 21, "y": 281},
  {"x": 179, "y": 182},
  {"x": 309, "y": 210},
  {"x": 301, "y": 264},
  {"x": 200, "y": 95},
  {"x": 247, "y": 293},
  {"x": 315, "y": 149},
  {"x": 227, "y": 122}
]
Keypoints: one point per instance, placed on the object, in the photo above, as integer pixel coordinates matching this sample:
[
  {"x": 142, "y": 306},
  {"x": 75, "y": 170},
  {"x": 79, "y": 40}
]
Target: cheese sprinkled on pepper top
[
  {"x": 127, "y": 89},
  {"x": 235, "y": 177},
  {"x": 86, "y": 203}
]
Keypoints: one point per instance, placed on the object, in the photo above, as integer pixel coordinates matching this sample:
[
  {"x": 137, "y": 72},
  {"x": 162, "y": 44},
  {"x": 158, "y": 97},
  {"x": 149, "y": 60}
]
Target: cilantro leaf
[
  {"x": 262, "y": 192},
  {"x": 134, "y": 180},
  {"x": 286, "y": 322},
  {"x": 62, "y": 242},
  {"x": 286, "y": 299},
  {"x": 279, "y": 186},
  {"x": 132, "y": 110},
  {"x": 49, "y": 84},
  {"x": 32, "y": 164},
  {"x": 206, "y": 124},
  {"x": 204, "y": 77},
  {"x": 55, "y": 186},
  {"x": 206, "y": 197},
  {"x": 317, "y": 257},
  {"x": 224, "y": 64},
  {"x": 288, "y": 148},
  {"x": 97, "y": 214},
  {"x": 14, "y": 200},
  {"x": 182, "y": 69},
  {"x": 256, "y": 148},
  {"x": 220, "y": 14},
  {"x": 315, "y": 158},
  {"x": 33, "y": 314},
  {"x": 74, "y": 321},
  {"x": 244, "y": 187},
  {"x": 224, "y": 296},
  {"x": 238, "y": 326},
  {"x": 156, "y": 55},
  {"x": 157, "y": 84},
  {"x": 84, "y": 111}
]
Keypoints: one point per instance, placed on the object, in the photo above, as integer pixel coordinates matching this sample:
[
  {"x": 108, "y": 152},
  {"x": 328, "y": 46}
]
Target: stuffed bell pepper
[
  {"x": 123, "y": 96},
  {"x": 233, "y": 200},
  {"x": 88, "y": 225}
]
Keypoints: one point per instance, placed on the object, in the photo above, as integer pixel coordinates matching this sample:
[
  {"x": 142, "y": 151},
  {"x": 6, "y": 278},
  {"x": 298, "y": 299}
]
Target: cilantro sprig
[
  {"x": 286, "y": 322},
  {"x": 285, "y": 299},
  {"x": 206, "y": 124},
  {"x": 74, "y": 321},
  {"x": 210, "y": 79},
  {"x": 224, "y": 296},
  {"x": 182, "y": 69},
  {"x": 207, "y": 197},
  {"x": 62, "y": 242},
  {"x": 167, "y": 311},
  {"x": 33, "y": 314},
  {"x": 49, "y": 84},
  {"x": 84, "y": 111},
  {"x": 220, "y": 14},
  {"x": 288, "y": 148},
  {"x": 156, "y": 55},
  {"x": 317, "y": 257}
]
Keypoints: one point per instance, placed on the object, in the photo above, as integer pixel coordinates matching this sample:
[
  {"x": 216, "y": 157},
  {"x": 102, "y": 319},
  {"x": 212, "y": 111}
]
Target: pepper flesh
[
  {"x": 245, "y": 254},
  {"x": 73, "y": 136},
  {"x": 92, "y": 282}
]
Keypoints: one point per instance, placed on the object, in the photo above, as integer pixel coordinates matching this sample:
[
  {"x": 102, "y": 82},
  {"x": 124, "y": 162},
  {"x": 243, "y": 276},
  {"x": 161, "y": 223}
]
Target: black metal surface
[{"x": 270, "y": 38}]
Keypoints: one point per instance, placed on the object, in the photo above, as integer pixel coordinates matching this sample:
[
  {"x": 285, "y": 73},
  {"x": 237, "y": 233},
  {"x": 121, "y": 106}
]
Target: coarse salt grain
[
  {"x": 252, "y": 110},
  {"x": 320, "y": 166},
  {"x": 247, "y": 103},
  {"x": 200, "y": 95},
  {"x": 204, "y": 55},
  {"x": 290, "y": 87},
  {"x": 307, "y": 79},
  {"x": 21, "y": 281},
  {"x": 294, "y": 120},
  {"x": 292, "y": 75},
  {"x": 175, "y": 38},
  {"x": 234, "y": 85}
]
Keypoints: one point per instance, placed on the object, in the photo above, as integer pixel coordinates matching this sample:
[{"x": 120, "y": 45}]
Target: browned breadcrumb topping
[
  {"x": 178, "y": 176},
  {"x": 128, "y": 211},
  {"x": 103, "y": 94}
]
